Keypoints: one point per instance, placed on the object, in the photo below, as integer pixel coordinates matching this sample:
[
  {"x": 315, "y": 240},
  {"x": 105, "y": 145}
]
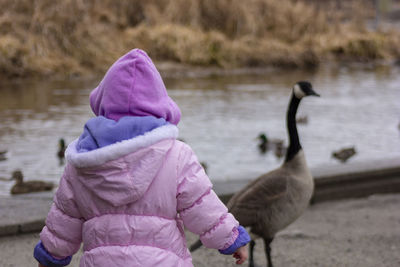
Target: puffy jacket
[
  {"x": 129, "y": 187},
  {"x": 129, "y": 202}
]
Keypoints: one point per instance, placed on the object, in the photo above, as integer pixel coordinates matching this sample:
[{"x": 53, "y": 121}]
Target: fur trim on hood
[{"x": 102, "y": 155}]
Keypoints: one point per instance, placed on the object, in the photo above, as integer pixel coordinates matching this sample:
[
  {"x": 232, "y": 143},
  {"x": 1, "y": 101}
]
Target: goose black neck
[{"x": 294, "y": 142}]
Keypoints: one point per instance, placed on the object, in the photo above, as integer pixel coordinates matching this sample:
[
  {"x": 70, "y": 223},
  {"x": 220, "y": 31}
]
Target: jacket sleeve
[
  {"x": 199, "y": 207},
  {"x": 62, "y": 235}
]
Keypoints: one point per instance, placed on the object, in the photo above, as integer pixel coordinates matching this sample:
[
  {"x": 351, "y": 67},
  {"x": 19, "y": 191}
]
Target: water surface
[{"x": 221, "y": 118}]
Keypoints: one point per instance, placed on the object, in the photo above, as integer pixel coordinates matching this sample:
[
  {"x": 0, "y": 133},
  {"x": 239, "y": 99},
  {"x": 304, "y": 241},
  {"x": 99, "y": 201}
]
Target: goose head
[{"x": 302, "y": 89}]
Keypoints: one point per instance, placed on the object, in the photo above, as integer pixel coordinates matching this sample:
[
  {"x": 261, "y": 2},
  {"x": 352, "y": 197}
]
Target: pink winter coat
[{"x": 130, "y": 201}]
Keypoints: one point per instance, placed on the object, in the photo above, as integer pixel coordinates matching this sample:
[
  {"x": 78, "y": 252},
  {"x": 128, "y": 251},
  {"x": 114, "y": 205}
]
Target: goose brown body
[{"x": 274, "y": 200}]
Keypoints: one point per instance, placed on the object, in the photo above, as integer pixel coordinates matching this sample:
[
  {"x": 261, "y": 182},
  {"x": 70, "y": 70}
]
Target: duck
[
  {"x": 21, "y": 187},
  {"x": 280, "y": 150},
  {"x": 302, "y": 120},
  {"x": 61, "y": 151},
  {"x": 277, "y": 198},
  {"x": 267, "y": 144},
  {"x": 61, "y": 148},
  {"x": 344, "y": 154},
  {"x": 3, "y": 155}
]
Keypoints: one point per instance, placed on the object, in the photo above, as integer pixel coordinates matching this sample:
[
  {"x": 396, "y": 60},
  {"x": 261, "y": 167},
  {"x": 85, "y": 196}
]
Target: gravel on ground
[{"x": 354, "y": 232}]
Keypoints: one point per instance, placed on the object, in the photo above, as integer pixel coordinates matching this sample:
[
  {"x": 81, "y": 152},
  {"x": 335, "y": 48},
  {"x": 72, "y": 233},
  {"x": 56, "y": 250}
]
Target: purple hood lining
[{"x": 100, "y": 131}]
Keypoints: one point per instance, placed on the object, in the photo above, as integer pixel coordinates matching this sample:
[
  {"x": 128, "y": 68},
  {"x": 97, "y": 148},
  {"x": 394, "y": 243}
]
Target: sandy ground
[{"x": 360, "y": 232}]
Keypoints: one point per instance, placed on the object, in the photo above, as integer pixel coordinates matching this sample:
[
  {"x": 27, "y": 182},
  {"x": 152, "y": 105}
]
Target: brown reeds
[{"x": 68, "y": 37}]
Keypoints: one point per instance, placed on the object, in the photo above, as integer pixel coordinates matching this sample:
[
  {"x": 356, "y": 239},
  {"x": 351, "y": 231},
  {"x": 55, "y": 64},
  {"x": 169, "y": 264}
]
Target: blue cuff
[
  {"x": 44, "y": 257},
  {"x": 242, "y": 239}
]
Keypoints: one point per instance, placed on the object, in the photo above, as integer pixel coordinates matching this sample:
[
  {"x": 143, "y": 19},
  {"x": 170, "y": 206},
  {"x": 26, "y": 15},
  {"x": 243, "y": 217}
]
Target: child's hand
[{"x": 241, "y": 255}]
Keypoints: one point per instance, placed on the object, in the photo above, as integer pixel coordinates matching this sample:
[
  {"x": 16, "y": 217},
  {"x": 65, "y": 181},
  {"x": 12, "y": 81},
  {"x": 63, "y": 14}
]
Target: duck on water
[
  {"x": 276, "y": 199},
  {"x": 21, "y": 187}
]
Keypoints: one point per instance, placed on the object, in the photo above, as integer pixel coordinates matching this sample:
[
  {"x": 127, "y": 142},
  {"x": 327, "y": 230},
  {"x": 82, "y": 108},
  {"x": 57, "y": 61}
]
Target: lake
[{"x": 221, "y": 119}]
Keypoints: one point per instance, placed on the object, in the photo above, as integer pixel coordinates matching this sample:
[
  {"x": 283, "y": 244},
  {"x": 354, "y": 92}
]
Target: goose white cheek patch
[{"x": 298, "y": 92}]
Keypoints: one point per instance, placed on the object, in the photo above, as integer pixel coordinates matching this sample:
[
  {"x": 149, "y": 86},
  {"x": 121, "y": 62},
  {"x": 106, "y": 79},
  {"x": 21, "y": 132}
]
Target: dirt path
[{"x": 360, "y": 232}]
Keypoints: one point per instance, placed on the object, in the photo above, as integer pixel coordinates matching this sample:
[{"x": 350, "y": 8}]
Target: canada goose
[
  {"x": 21, "y": 187},
  {"x": 344, "y": 154},
  {"x": 277, "y": 198}
]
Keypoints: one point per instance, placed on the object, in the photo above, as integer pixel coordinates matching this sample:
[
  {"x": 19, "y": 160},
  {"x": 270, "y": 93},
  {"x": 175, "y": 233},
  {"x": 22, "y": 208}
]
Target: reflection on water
[{"x": 222, "y": 116}]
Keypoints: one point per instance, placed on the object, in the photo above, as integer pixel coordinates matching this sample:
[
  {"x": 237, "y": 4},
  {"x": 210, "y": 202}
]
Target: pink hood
[{"x": 133, "y": 87}]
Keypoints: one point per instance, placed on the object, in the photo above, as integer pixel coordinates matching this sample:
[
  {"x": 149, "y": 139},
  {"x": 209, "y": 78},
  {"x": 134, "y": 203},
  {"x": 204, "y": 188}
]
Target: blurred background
[{"x": 229, "y": 64}]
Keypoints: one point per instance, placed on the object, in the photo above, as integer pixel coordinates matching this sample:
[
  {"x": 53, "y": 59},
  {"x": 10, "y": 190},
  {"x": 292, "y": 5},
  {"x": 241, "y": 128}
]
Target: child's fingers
[
  {"x": 239, "y": 258},
  {"x": 240, "y": 261}
]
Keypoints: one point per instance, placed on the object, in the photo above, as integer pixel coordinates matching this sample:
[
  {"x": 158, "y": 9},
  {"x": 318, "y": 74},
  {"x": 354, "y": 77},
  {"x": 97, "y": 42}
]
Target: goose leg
[
  {"x": 251, "y": 259},
  {"x": 267, "y": 243}
]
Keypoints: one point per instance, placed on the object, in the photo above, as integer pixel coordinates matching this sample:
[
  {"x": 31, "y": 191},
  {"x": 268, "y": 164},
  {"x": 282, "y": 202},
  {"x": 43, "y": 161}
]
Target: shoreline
[{"x": 175, "y": 70}]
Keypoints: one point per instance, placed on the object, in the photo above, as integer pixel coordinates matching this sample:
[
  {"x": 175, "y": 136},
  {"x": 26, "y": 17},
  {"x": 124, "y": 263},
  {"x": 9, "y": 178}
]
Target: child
[{"x": 129, "y": 187}]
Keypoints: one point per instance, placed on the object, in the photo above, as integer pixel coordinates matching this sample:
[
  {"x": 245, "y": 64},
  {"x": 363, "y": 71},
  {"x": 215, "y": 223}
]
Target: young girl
[{"x": 129, "y": 187}]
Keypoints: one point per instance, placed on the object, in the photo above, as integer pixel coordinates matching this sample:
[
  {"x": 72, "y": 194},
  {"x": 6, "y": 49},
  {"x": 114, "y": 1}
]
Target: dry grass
[{"x": 68, "y": 37}]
